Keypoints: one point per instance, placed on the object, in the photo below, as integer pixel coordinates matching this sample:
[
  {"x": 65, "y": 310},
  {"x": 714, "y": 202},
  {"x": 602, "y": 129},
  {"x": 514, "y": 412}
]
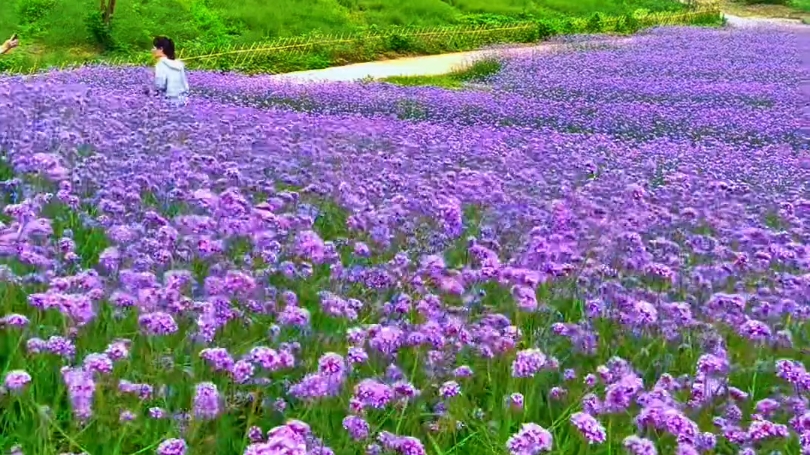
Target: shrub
[
  {"x": 100, "y": 32},
  {"x": 630, "y": 24},
  {"x": 213, "y": 30},
  {"x": 492, "y": 20},
  {"x": 399, "y": 43},
  {"x": 546, "y": 29},
  {"x": 31, "y": 14},
  {"x": 768, "y": 2},
  {"x": 566, "y": 27},
  {"x": 481, "y": 70},
  {"x": 31, "y": 11},
  {"x": 640, "y": 13},
  {"x": 594, "y": 24},
  {"x": 11, "y": 62}
]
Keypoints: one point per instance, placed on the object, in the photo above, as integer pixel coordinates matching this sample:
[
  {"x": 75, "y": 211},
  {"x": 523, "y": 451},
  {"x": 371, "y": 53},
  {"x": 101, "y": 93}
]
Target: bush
[
  {"x": 399, "y": 43},
  {"x": 212, "y": 29},
  {"x": 768, "y": 2},
  {"x": 566, "y": 27},
  {"x": 489, "y": 20},
  {"x": 31, "y": 11},
  {"x": 481, "y": 70},
  {"x": 100, "y": 32},
  {"x": 594, "y": 23},
  {"x": 640, "y": 13},
  {"x": 801, "y": 5},
  {"x": 31, "y": 14},
  {"x": 629, "y": 24},
  {"x": 546, "y": 29},
  {"x": 130, "y": 35},
  {"x": 708, "y": 19},
  {"x": 11, "y": 62}
]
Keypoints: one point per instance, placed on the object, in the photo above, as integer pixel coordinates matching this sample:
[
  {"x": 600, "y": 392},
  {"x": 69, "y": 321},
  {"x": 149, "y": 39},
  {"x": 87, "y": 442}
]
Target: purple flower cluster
[
  {"x": 680, "y": 83},
  {"x": 532, "y": 439}
]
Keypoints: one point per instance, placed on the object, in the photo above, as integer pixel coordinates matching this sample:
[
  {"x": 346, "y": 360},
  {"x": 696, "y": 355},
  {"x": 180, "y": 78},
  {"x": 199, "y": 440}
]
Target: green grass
[
  {"x": 801, "y": 5},
  {"x": 58, "y": 31},
  {"x": 290, "y": 37},
  {"x": 61, "y": 23},
  {"x": 773, "y": 8},
  {"x": 477, "y": 72}
]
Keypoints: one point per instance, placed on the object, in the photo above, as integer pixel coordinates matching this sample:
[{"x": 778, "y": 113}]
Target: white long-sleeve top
[{"x": 170, "y": 78}]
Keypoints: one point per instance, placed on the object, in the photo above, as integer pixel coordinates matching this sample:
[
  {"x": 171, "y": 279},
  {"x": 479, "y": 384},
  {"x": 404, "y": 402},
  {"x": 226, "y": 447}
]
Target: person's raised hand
[{"x": 11, "y": 43}]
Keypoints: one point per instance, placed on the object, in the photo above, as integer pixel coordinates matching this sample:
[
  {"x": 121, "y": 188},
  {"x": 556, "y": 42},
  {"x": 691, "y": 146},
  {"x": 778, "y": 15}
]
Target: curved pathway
[
  {"x": 430, "y": 65},
  {"x": 434, "y": 65},
  {"x": 749, "y": 22}
]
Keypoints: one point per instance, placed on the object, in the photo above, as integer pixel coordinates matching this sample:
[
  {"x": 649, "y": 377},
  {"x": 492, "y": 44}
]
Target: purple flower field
[{"x": 604, "y": 250}]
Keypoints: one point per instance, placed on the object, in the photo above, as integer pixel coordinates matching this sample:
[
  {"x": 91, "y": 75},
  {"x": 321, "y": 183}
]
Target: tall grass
[
  {"x": 478, "y": 71},
  {"x": 61, "y": 24},
  {"x": 307, "y": 52},
  {"x": 802, "y": 5},
  {"x": 561, "y": 8}
]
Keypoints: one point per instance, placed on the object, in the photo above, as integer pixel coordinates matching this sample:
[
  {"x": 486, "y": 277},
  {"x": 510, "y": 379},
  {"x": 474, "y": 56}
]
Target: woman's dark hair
[{"x": 164, "y": 44}]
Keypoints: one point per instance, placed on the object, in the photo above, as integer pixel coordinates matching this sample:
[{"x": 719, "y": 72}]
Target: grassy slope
[
  {"x": 801, "y": 5},
  {"x": 60, "y": 24}
]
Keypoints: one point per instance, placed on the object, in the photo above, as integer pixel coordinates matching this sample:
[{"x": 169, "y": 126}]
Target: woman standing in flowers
[{"x": 170, "y": 73}]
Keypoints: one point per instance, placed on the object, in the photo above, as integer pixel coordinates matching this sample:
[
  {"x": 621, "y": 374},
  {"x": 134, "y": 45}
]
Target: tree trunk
[
  {"x": 107, "y": 11},
  {"x": 111, "y": 6}
]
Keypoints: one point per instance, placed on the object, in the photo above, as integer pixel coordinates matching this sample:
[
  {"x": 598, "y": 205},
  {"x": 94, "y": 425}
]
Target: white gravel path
[
  {"x": 431, "y": 65},
  {"x": 434, "y": 65},
  {"x": 749, "y": 22}
]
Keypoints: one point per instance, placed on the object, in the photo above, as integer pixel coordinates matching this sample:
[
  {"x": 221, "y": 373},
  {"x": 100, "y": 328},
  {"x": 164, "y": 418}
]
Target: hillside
[{"x": 65, "y": 25}]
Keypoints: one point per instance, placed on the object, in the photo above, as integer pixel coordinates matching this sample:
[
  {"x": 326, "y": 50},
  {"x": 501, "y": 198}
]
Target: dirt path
[
  {"x": 431, "y": 65},
  {"x": 748, "y": 22},
  {"x": 760, "y": 10},
  {"x": 434, "y": 65}
]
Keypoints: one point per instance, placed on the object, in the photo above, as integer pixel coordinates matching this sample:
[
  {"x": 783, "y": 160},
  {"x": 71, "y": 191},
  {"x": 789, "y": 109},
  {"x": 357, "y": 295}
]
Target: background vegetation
[
  {"x": 318, "y": 49},
  {"x": 58, "y": 31},
  {"x": 803, "y": 5},
  {"x": 782, "y": 8},
  {"x": 72, "y": 23},
  {"x": 65, "y": 32}
]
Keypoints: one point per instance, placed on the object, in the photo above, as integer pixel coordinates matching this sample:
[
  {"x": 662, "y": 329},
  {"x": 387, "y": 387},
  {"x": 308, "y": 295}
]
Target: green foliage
[
  {"x": 12, "y": 62},
  {"x": 207, "y": 30},
  {"x": 706, "y": 19},
  {"x": 630, "y": 24},
  {"x": 566, "y": 27},
  {"x": 546, "y": 29},
  {"x": 480, "y": 71},
  {"x": 399, "y": 43},
  {"x": 222, "y": 22},
  {"x": 640, "y": 13},
  {"x": 286, "y": 55},
  {"x": 594, "y": 23},
  {"x": 801, "y": 5},
  {"x": 100, "y": 32},
  {"x": 31, "y": 13},
  {"x": 212, "y": 28},
  {"x": 768, "y": 2},
  {"x": 491, "y": 20}
]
